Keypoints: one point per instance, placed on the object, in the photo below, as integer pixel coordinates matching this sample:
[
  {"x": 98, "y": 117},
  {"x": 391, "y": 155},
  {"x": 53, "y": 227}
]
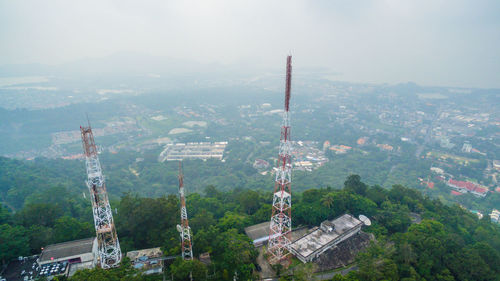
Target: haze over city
[{"x": 441, "y": 43}]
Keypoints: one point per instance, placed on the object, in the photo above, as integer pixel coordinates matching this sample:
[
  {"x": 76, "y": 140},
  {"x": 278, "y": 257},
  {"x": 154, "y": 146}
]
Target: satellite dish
[
  {"x": 365, "y": 220},
  {"x": 179, "y": 228}
]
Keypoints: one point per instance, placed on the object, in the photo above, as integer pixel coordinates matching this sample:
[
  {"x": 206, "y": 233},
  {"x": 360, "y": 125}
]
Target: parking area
[
  {"x": 27, "y": 268},
  {"x": 22, "y": 269}
]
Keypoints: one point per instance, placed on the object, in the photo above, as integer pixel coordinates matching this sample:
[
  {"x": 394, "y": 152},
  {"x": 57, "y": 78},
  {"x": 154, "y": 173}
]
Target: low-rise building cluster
[
  {"x": 307, "y": 156},
  {"x": 148, "y": 260}
]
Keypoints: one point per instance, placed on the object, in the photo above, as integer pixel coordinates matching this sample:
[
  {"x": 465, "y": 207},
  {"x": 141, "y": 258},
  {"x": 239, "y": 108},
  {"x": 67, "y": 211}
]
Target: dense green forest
[
  {"x": 24, "y": 182},
  {"x": 448, "y": 244}
]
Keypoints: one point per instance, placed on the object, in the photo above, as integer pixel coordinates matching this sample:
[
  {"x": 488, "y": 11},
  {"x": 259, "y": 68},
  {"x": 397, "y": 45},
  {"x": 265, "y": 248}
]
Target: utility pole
[
  {"x": 281, "y": 219},
  {"x": 108, "y": 248},
  {"x": 183, "y": 228}
]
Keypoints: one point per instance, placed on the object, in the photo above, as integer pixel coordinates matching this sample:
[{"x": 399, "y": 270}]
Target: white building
[
  {"x": 330, "y": 233},
  {"x": 437, "y": 170},
  {"x": 467, "y": 147},
  {"x": 496, "y": 164},
  {"x": 193, "y": 150},
  {"x": 495, "y": 216}
]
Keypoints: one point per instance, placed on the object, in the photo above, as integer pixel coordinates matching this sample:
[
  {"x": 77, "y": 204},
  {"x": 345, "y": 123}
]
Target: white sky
[{"x": 431, "y": 42}]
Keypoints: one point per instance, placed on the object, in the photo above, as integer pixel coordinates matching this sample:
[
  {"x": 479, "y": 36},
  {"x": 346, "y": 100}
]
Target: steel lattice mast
[
  {"x": 281, "y": 218},
  {"x": 183, "y": 228},
  {"x": 109, "y": 252}
]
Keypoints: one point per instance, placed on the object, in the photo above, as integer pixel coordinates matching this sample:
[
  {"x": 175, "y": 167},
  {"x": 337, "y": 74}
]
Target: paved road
[{"x": 328, "y": 276}]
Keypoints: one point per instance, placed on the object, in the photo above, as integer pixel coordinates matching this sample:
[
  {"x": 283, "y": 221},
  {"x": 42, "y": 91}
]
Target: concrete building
[
  {"x": 259, "y": 233},
  {"x": 445, "y": 143},
  {"x": 496, "y": 164},
  {"x": 467, "y": 147},
  {"x": 78, "y": 254},
  {"x": 193, "y": 150},
  {"x": 329, "y": 234},
  {"x": 495, "y": 216},
  {"x": 148, "y": 260},
  {"x": 306, "y": 165},
  {"x": 437, "y": 170}
]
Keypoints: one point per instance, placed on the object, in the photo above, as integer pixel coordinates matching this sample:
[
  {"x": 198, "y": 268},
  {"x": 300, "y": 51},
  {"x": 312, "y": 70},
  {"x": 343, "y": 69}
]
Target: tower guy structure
[
  {"x": 183, "y": 228},
  {"x": 281, "y": 218},
  {"x": 109, "y": 253}
]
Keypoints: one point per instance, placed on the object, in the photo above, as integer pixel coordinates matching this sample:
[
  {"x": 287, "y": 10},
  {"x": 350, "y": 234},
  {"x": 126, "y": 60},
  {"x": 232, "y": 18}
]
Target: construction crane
[
  {"x": 281, "y": 219},
  {"x": 183, "y": 228},
  {"x": 108, "y": 248}
]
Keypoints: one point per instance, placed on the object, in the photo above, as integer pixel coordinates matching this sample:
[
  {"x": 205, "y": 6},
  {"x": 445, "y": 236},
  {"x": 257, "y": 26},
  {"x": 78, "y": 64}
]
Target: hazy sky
[{"x": 431, "y": 42}]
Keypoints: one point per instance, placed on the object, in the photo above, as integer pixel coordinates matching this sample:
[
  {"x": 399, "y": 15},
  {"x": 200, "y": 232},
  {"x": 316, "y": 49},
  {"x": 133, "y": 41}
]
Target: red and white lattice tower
[
  {"x": 108, "y": 248},
  {"x": 183, "y": 228},
  {"x": 281, "y": 218}
]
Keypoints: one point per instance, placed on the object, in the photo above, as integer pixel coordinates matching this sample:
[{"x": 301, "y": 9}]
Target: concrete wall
[{"x": 86, "y": 257}]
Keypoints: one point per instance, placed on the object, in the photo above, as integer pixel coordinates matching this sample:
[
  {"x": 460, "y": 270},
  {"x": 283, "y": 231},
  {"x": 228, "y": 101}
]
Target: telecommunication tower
[
  {"x": 108, "y": 248},
  {"x": 183, "y": 228},
  {"x": 281, "y": 219}
]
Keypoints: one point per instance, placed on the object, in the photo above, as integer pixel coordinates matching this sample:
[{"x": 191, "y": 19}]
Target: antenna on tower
[
  {"x": 280, "y": 226},
  {"x": 183, "y": 228},
  {"x": 288, "y": 83},
  {"x": 108, "y": 248},
  {"x": 88, "y": 120}
]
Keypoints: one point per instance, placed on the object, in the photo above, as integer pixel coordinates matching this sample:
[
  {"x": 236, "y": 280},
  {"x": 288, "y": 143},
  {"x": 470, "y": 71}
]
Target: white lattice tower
[
  {"x": 183, "y": 228},
  {"x": 281, "y": 219},
  {"x": 108, "y": 248}
]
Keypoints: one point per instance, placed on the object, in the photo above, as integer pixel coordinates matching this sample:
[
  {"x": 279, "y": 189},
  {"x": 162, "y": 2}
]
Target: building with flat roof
[
  {"x": 259, "y": 233},
  {"x": 77, "y": 251},
  {"x": 148, "y": 260},
  {"x": 193, "y": 150},
  {"x": 330, "y": 233},
  {"x": 495, "y": 216},
  {"x": 496, "y": 164},
  {"x": 78, "y": 254}
]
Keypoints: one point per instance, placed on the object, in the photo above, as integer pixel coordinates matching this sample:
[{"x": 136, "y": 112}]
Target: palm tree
[{"x": 327, "y": 200}]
